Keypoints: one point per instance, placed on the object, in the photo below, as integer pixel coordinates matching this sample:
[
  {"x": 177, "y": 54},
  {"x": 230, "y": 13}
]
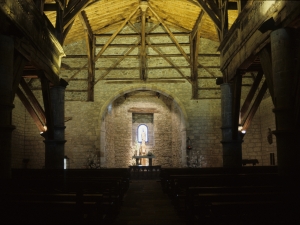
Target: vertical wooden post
[{"x": 6, "y": 105}]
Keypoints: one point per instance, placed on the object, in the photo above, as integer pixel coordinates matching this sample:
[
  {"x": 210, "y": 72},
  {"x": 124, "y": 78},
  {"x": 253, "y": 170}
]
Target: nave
[{"x": 146, "y": 204}]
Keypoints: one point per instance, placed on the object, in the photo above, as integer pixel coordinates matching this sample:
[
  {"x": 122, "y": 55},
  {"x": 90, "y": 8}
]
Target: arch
[
  {"x": 146, "y": 87},
  {"x": 137, "y": 88}
]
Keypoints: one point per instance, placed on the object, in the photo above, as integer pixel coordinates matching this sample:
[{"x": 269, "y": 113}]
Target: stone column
[
  {"x": 55, "y": 149},
  {"x": 6, "y": 106},
  {"x": 287, "y": 134},
  {"x": 232, "y": 149}
]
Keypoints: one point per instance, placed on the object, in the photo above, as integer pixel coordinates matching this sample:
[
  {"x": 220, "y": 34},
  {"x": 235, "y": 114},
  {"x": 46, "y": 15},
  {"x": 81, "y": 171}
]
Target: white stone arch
[{"x": 149, "y": 87}]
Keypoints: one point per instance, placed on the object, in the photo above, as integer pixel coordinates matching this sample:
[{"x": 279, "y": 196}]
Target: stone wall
[
  {"x": 255, "y": 144},
  {"x": 101, "y": 131}
]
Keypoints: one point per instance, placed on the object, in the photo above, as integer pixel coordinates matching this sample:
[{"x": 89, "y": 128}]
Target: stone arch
[
  {"x": 154, "y": 88},
  {"x": 137, "y": 88}
]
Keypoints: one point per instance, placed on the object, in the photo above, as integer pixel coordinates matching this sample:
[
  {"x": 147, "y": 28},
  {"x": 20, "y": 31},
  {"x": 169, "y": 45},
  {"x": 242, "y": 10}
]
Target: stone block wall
[
  {"x": 102, "y": 130},
  {"x": 255, "y": 145}
]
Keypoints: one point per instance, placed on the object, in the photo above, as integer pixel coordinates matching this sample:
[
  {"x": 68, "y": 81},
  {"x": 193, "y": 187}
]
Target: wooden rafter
[
  {"x": 117, "y": 63},
  {"x": 194, "y": 49},
  {"x": 255, "y": 106},
  {"x": 31, "y": 110},
  {"x": 115, "y": 34},
  {"x": 90, "y": 42},
  {"x": 36, "y": 105},
  {"x": 197, "y": 24},
  {"x": 266, "y": 63},
  {"x": 47, "y": 106},
  {"x": 59, "y": 21},
  {"x": 210, "y": 13},
  {"x": 66, "y": 31},
  {"x": 237, "y": 90},
  {"x": 171, "y": 36},
  {"x": 61, "y": 4},
  {"x": 19, "y": 63},
  {"x": 144, "y": 7},
  {"x": 250, "y": 95},
  {"x": 214, "y": 7},
  {"x": 73, "y": 8},
  {"x": 85, "y": 23},
  {"x": 223, "y": 5},
  {"x": 194, "y": 64},
  {"x": 172, "y": 64}
]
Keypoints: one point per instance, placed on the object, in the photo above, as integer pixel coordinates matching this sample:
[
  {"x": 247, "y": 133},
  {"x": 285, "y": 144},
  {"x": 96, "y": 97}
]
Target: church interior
[{"x": 150, "y": 111}]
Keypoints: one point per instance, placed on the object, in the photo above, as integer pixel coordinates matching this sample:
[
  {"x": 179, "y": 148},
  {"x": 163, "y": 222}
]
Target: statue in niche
[{"x": 143, "y": 148}]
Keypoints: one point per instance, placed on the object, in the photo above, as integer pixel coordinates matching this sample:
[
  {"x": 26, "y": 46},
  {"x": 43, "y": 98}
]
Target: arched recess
[{"x": 107, "y": 160}]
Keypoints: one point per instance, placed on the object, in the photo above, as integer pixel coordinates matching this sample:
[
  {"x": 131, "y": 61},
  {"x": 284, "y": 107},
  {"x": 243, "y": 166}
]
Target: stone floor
[{"x": 145, "y": 203}]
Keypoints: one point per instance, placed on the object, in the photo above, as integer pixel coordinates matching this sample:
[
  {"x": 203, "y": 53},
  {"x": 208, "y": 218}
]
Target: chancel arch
[{"x": 142, "y": 108}]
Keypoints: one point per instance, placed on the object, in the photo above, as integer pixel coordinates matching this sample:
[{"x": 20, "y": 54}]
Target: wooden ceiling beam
[
  {"x": 49, "y": 7},
  {"x": 66, "y": 31},
  {"x": 70, "y": 14},
  {"x": 236, "y": 99},
  {"x": 19, "y": 64},
  {"x": 215, "y": 8},
  {"x": 255, "y": 106},
  {"x": 85, "y": 23},
  {"x": 47, "y": 106},
  {"x": 77, "y": 72},
  {"x": 171, "y": 36},
  {"x": 144, "y": 7},
  {"x": 59, "y": 28},
  {"x": 31, "y": 110},
  {"x": 33, "y": 100},
  {"x": 61, "y": 4},
  {"x": 90, "y": 43},
  {"x": 170, "y": 62},
  {"x": 223, "y": 5},
  {"x": 115, "y": 34},
  {"x": 210, "y": 13},
  {"x": 266, "y": 63},
  {"x": 194, "y": 63},
  {"x": 148, "y": 34},
  {"x": 160, "y": 45},
  {"x": 197, "y": 24},
  {"x": 251, "y": 94},
  {"x": 117, "y": 63}
]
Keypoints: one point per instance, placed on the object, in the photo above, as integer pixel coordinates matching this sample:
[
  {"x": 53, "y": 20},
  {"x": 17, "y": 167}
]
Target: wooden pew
[
  {"x": 239, "y": 205},
  {"x": 56, "y": 196}
]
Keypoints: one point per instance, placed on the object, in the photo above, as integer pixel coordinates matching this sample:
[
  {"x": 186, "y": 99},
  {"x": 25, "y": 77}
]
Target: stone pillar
[
  {"x": 55, "y": 149},
  {"x": 232, "y": 149},
  {"x": 287, "y": 134},
  {"x": 6, "y": 106}
]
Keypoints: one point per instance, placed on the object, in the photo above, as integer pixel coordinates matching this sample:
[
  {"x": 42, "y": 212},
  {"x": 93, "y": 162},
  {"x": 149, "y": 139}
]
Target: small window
[{"x": 142, "y": 129}]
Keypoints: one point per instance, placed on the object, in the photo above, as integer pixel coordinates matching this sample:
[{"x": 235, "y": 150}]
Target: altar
[{"x": 149, "y": 157}]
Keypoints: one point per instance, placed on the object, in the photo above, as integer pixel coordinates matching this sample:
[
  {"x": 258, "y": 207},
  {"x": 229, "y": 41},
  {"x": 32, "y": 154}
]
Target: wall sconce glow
[{"x": 45, "y": 128}]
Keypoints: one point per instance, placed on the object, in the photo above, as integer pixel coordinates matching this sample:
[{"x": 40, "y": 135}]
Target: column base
[
  {"x": 232, "y": 154},
  {"x": 54, "y": 154}
]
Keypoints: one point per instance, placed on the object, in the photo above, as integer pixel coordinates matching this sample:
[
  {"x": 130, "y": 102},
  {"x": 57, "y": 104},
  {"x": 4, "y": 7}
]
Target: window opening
[{"x": 142, "y": 133}]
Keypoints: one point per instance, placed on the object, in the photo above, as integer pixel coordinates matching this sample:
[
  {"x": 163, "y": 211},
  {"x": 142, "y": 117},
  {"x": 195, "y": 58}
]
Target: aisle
[{"x": 145, "y": 203}]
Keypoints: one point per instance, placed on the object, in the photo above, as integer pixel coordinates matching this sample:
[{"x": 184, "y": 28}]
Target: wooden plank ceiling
[{"x": 182, "y": 22}]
